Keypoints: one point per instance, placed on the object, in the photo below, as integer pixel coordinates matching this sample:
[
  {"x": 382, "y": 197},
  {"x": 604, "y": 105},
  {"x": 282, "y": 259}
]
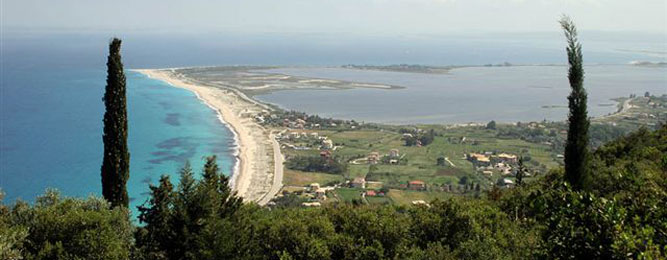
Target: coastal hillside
[
  {"x": 620, "y": 216},
  {"x": 333, "y": 130}
]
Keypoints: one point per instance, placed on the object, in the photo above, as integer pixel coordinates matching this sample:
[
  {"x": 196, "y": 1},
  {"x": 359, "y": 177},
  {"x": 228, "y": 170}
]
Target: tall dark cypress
[
  {"x": 576, "y": 148},
  {"x": 116, "y": 162}
]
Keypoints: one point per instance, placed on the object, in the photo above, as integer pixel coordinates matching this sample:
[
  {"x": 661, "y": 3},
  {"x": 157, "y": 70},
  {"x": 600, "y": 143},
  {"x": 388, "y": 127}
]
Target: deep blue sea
[{"x": 51, "y": 87}]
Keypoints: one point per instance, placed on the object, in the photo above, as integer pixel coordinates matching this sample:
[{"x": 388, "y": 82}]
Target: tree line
[{"x": 316, "y": 164}]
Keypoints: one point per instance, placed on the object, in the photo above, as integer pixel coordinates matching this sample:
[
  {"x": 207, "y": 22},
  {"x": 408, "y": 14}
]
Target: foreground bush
[{"x": 65, "y": 228}]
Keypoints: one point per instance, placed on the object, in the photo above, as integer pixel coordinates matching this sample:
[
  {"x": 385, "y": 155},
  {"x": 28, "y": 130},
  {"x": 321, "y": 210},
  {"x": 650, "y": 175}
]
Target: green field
[
  {"x": 537, "y": 142},
  {"x": 418, "y": 163},
  {"x": 379, "y": 200},
  {"x": 348, "y": 194},
  {"x": 299, "y": 178}
]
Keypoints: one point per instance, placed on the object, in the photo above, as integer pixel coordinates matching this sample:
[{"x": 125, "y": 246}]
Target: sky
[{"x": 382, "y": 17}]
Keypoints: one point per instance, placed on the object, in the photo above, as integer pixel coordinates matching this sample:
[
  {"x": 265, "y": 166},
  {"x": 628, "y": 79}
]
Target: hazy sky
[{"x": 324, "y": 16}]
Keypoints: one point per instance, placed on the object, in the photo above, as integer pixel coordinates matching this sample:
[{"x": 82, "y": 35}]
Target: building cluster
[
  {"x": 455, "y": 188},
  {"x": 360, "y": 182},
  {"x": 416, "y": 185},
  {"x": 305, "y": 138},
  {"x": 298, "y": 120},
  {"x": 314, "y": 193},
  {"x": 374, "y": 193},
  {"x": 298, "y": 124},
  {"x": 489, "y": 162},
  {"x": 505, "y": 183},
  {"x": 392, "y": 157}
]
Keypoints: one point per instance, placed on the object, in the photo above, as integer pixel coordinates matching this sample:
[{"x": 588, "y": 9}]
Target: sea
[{"x": 52, "y": 82}]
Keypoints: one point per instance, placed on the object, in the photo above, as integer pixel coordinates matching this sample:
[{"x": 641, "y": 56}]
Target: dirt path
[{"x": 450, "y": 162}]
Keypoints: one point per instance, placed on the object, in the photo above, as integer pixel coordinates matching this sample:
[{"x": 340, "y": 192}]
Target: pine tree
[
  {"x": 220, "y": 199},
  {"x": 158, "y": 236},
  {"x": 211, "y": 171},
  {"x": 576, "y": 148},
  {"x": 179, "y": 224},
  {"x": 187, "y": 203},
  {"x": 188, "y": 215},
  {"x": 116, "y": 162}
]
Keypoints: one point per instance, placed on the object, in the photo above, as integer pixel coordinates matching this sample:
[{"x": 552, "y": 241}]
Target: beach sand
[{"x": 258, "y": 175}]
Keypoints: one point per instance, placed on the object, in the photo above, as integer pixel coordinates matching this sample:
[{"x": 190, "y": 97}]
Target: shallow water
[{"x": 474, "y": 94}]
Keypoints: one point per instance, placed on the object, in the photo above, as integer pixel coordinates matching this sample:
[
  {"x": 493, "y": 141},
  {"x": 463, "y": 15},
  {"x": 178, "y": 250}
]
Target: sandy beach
[{"x": 258, "y": 174}]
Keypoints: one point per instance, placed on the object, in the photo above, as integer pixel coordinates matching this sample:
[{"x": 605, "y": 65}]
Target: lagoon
[{"x": 472, "y": 94}]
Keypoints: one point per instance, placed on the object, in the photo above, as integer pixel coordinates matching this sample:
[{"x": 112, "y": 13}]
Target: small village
[
  {"x": 330, "y": 160},
  {"x": 490, "y": 163},
  {"x": 309, "y": 143}
]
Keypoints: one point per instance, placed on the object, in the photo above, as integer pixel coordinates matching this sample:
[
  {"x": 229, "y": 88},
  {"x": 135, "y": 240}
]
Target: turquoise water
[
  {"x": 52, "y": 125},
  {"x": 171, "y": 126}
]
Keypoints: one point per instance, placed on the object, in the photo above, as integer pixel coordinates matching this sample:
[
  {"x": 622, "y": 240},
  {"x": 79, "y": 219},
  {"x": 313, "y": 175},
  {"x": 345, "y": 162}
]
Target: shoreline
[
  {"x": 253, "y": 178},
  {"x": 258, "y": 171},
  {"x": 235, "y": 135}
]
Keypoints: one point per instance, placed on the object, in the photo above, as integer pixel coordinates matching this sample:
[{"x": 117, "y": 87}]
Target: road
[
  {"x": 626, "y": 105},
  {"x": 278, "y": 160},
  {"x": 622, "y": 110},
  {"x": 450, "y": 162}
]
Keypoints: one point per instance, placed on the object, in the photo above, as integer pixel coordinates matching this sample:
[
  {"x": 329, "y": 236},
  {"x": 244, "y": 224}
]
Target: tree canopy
[{"x": 116, "y": 158}]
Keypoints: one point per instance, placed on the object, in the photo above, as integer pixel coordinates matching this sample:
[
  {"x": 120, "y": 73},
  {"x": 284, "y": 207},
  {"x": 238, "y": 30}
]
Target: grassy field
[
  {"x": 539, "y": 143},
  {"x": 418, "y": 163},
  {"x": 299, "y": 178},
  {"x": 453, "y": 143},
  {"x": 379, "y": 200},
  {"x": 349, "y": 194}
]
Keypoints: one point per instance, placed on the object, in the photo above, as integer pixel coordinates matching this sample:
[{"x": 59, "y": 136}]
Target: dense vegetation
[
  {"x": 281, "y": 118},
  {"x": 116, "y": 160},
  {"x": 315, "y": 164},
  {"x": 419, "y": 137},
  {"x": 551, "y": 133},
  {"x": 65, "y": 228},
  {"x": 186, "y": 223},
  {"x": 621, "y": 215}
]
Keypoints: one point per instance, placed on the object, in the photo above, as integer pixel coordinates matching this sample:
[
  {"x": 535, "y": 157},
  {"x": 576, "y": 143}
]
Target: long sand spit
[{"x": 258, "y": 173}]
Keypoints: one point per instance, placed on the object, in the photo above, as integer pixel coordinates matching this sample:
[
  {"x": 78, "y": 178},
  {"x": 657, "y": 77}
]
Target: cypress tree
[
  {"x": 520, "y": 172},
  {"x": 576, "y": 148},
  {"x": 116, "y": 162}
]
